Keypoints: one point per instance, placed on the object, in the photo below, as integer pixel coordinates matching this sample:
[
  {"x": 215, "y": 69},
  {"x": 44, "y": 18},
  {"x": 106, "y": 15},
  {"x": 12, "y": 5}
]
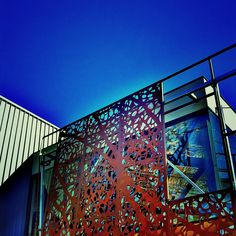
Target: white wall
[
  {"x": 229, "y": 113},
  {"x": 21, "y": 133}
]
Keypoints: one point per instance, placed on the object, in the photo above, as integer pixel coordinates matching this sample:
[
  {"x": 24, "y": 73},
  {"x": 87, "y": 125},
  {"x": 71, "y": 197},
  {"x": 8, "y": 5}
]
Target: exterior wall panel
[
  {"x": 41, "y": 145},
  {"x": 22, "y": 140},
  {"x": 32, "y": 134},
  {"x": 9, "y": 146},
  {"x": 21, "y": 133},
  {"x": 14, "y": 142},
  {"x": 5, "y": 136},
  {"x": 3, "y": 129},
  {"x": 17, "y": 142},
  {"x": 37, "y": 135},
  {"x": 27, "y": 136},
  {"x": 2, "y": 111}
]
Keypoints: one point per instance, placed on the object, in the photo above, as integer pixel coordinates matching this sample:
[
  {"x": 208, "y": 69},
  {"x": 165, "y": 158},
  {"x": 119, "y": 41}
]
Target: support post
[
  {"x": 41, "y": 195},
  {"x": 223, "y": 128}
]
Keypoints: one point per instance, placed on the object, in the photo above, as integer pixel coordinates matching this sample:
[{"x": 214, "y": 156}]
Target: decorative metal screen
[
  {"x": 204, "y": 214},
  {"x": 110, "y": 178},
  {"x": 110, "y": 174}
]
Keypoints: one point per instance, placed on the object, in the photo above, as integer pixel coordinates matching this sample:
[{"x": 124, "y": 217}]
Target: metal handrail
[
  {"x": 162, "y": 80},
  {"x": 213, "y": 83}
]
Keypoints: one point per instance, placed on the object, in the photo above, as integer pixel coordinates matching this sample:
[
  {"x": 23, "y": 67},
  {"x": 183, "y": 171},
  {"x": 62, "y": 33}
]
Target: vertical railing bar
[
  {"x": 225, "y": 139},
  {"x": 41, "y": 194}
]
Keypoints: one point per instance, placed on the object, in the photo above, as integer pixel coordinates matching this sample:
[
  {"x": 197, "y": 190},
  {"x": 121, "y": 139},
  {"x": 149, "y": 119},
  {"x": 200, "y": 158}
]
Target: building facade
[
  {"x": 21, "y": 135},
  {"x": 160, "y": 161}
]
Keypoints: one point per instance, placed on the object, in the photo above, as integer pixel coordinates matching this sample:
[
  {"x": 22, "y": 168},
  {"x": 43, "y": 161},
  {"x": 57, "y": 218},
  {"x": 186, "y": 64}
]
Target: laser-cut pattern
[
  {"x": 110, "y": 175},
  {"x": 205, "y": 214},
  {"x": 110, "y": 178}
]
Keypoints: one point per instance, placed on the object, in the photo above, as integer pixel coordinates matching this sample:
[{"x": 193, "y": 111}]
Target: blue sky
[{"x": 65, "y": 59}]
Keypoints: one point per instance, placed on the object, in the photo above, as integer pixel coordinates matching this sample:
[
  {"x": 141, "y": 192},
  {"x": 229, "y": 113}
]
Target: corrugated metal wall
[{"x": 21, "y": 134}]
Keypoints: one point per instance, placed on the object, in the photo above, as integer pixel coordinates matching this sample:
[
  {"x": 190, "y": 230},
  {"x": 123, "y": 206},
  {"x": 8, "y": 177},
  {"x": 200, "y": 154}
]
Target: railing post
[
  {"x": 223, "y": 128},
  {"x": 41, "y": 194}
]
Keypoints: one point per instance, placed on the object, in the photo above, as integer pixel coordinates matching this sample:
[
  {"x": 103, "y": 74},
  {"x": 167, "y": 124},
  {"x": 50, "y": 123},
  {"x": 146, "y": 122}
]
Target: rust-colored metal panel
[
  {"x": 110, "y": 178},
  {"x": 204, "y": 214},
  {"x": 110, "y": 174}
]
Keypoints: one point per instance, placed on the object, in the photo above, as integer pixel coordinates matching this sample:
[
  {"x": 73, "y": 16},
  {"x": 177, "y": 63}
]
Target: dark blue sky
[{"x": 65, "y": 59}]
